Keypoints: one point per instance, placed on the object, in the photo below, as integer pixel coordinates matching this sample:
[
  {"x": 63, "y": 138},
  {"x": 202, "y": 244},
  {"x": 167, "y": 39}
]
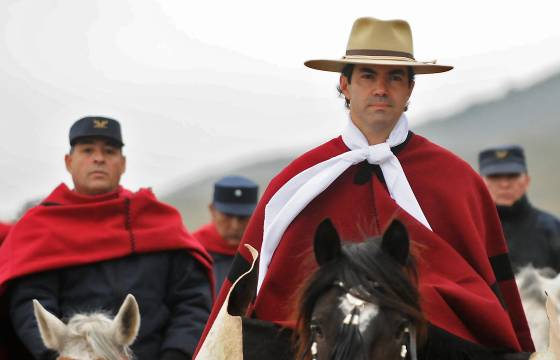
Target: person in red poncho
[
  {"x": 85, "y": 249},
  {"x": 378, "y": 170},
  {"x": 233, "y": 202}
]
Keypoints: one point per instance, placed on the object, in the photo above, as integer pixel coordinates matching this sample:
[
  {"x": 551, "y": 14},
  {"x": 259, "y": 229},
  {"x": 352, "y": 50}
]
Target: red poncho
[
  {"x": 4, "y": 229},
  {"x": 212, "y": 240},
  {"x": 72, "y": 229},
  {"x": 463, "y": 265}
]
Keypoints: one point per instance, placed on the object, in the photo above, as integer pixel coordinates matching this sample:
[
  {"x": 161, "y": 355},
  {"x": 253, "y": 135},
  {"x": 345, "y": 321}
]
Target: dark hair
[{"x": 347, "y": 71}]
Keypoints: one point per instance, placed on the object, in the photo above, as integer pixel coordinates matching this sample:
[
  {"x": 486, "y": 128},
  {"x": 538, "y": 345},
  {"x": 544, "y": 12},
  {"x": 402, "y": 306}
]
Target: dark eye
[
  {"x": 402, "y": 329},
  {"x": 316, "y": 330}
]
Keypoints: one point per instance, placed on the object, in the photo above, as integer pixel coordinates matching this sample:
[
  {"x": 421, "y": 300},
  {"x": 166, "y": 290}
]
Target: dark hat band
[
  {"x": 374, "y": 52},
  {"x": 227, "y": 195}
]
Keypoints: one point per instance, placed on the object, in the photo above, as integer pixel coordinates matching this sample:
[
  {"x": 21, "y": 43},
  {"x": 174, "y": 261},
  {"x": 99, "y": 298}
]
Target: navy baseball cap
[
  {"x": 502, "y": 160},
  {"x": 96, "y": 126},
  {"x": 235, "y": 195}
]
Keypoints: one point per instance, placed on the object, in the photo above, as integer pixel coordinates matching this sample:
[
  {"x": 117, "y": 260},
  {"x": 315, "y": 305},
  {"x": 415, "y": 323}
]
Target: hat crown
[
  {"x": 374, "y": 35},
  {"x": 235, "y": 195},
  {"x": 502, "y": 160},
  {"x": 96, "y": 126}
]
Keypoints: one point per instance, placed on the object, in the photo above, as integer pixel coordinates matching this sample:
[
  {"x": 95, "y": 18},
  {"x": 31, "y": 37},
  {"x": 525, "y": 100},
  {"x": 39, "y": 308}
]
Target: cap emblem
[
  {"x": 502, "y": 154},
  {"x": 100, "y": 124},
  {"x": 238, "y": 192}
]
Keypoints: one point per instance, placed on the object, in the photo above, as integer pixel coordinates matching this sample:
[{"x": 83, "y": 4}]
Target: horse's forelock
[
  {"x": 93, "y": 333},
  {"x": 392, "y": 286}
]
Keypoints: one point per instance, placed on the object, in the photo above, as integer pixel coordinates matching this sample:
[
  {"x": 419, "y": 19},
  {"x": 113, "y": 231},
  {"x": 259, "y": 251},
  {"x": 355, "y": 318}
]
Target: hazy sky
[
  {"x": 199, "y": 85},
  {"x": 289, "y": 32}
]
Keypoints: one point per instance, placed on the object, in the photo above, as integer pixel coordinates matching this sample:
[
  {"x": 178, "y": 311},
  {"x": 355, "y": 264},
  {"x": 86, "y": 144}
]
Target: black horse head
[{"x": 360, "y": 302}]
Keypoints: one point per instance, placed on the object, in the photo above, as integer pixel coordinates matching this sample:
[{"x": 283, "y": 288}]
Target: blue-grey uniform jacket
[{"x": 171, "y": 287}]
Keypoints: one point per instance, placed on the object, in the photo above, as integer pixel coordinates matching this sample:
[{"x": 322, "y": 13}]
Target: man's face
[
  {"x": 378, "y": 95},
  {"x": 230, "y": 227},
  {"x": 96, "y": 166},
  {"x": 506, "y": 189}
]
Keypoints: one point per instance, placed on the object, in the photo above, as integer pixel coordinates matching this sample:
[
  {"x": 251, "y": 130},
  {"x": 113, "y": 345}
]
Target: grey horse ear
[
  {"x": 327, "y": 243},
  {"x": 51, "y": 329},
  {"x": 396, "y": 243},
  {"x": 127, "y": 321}
]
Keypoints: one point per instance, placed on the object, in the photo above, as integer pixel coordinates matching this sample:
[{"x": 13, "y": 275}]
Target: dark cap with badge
[
  {"x": 235, "y": 195},
  {"x": 96, "y": 126},
  {"x": 502, "y": 160}
]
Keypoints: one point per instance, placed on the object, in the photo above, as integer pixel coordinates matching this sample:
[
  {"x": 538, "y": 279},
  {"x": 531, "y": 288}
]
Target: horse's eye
[
  {"x": 402, "y": 329},
  {"x": 316, "y": 330}
]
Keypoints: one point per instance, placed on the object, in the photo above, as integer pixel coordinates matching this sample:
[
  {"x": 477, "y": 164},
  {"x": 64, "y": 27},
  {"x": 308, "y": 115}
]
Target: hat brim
[
  {"x": 93, "y": 135},
  {"x": 501, "y": 169},
  {"x": 235, "y": 209},
  {"x": 338, "y": 65}
]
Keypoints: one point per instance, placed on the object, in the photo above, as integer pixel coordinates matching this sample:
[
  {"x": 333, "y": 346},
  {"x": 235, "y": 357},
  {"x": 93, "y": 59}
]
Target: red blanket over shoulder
[
  {"x": 455, "y": 261},
  {"x": 212, "y": 241},
  {"x": 4, "y": 228},
  {"x": 73, "y": 229}
]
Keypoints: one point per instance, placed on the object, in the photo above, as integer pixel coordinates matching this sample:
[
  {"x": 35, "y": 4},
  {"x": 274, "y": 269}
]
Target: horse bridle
[{"x": 353, "y": 317}]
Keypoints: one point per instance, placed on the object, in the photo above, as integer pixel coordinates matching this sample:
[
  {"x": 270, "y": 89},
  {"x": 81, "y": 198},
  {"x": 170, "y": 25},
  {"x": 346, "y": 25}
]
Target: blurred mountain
[{"x": 529, "y": 117}]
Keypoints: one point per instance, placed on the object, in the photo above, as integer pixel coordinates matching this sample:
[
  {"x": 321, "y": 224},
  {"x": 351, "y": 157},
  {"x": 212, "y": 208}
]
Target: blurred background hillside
[{"x": 529, "y": 117}]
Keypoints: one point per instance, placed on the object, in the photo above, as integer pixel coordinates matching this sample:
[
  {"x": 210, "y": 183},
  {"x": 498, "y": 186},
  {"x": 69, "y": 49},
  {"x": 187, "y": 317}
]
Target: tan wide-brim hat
[{"x": 379, "y": 42}]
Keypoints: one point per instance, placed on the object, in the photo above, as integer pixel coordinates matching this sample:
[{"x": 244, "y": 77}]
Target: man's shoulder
[
  {"x": 204, "y": 229},
  {"x": 425, "y": 151},
  {"x": 548, "y": 220},
  {"x": 310, "y": 158}
]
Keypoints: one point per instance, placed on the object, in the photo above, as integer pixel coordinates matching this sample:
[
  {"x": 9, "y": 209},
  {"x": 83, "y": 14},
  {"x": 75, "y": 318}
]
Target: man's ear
[
  {"x": 343, "y": 85},
  {"x": 124, "y": 165},
  {"x": 68, "y": 162},
  {"x": 212, "y": 210}
]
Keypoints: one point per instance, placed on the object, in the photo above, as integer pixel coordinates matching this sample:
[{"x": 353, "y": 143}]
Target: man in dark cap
[
  {"x": 533, "y": 236},
  {"x": 234, "y": 200},
  {"x": 85, "y": 249}
]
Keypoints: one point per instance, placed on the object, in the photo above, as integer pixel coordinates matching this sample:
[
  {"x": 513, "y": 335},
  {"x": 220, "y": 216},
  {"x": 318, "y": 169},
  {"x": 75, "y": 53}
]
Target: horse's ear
[
  {"x": 52, "y": 330},
  {"x": 396, "y": 243},
  {"x": 127, "y": 321},
  {"x": 327, "y": 243}
]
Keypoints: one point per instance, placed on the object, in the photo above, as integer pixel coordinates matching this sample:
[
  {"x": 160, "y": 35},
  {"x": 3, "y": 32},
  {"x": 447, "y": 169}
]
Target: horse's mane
[
  {"x": 359, "y": 266},
  {"x": 94, "y": 331},
  {"x": 533, "y": 283}
]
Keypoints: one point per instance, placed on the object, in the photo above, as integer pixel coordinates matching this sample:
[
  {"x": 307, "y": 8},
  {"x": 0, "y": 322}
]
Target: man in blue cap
[
  {"x": 234, "y": 200},
  {"x": 533, "y": 236}
]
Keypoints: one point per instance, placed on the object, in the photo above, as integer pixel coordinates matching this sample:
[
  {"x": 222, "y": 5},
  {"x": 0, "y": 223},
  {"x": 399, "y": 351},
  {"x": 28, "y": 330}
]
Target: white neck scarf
[{"x": 299, "y": 191}]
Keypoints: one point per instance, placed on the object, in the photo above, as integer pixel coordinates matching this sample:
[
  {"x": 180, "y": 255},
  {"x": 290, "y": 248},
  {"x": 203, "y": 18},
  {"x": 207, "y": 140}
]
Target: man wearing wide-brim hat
[{"x": 378, "y": 170}]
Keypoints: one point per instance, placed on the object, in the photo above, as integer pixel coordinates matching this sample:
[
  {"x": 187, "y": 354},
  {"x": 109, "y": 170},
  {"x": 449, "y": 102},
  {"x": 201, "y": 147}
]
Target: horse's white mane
[
  {"x": 91, "y": 336},
  {"x": 533, "y": 283}
]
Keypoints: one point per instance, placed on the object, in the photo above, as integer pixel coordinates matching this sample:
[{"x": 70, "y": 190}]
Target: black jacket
[
  {"x": 221, "y": 266},
  {"x": 171, "y": 287},
  {"x": 533, "y": 236}
]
